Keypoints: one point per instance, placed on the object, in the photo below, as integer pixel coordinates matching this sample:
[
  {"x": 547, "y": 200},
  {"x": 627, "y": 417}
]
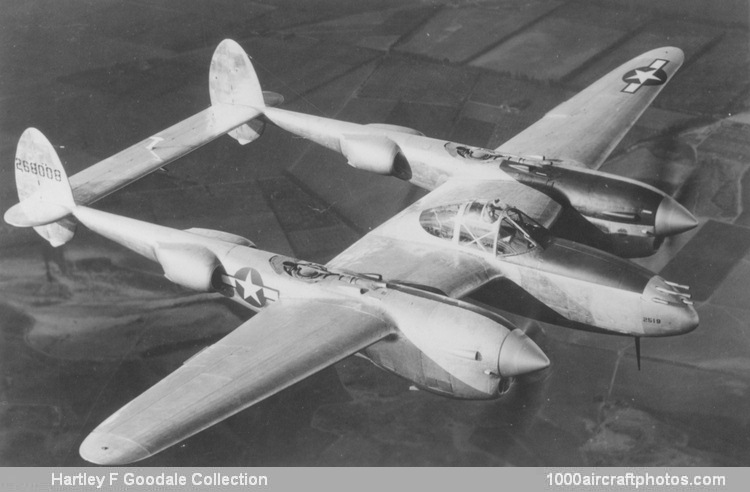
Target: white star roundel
[
  {"x": 249, "y": 286},
  {"x": 650, "y": 75}
]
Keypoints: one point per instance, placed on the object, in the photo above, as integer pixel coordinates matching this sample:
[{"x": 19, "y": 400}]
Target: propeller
[{"x": 638, "y": 351}]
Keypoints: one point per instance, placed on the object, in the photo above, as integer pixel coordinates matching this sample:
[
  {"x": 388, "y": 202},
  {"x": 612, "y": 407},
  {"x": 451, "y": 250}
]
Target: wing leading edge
[
  {"x": 586, "y": 128},
  {"x": 276, "y": 348}
]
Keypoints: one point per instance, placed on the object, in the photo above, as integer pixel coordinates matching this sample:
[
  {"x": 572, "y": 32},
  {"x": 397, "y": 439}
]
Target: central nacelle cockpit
[{"x": 490, "y": 226}]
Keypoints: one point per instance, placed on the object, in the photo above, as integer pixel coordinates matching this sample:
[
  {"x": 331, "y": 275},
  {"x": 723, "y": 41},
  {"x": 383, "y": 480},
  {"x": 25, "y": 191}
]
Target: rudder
[
  {"x": 43, "y": 190},
  {"x": 232, "y": 81}
]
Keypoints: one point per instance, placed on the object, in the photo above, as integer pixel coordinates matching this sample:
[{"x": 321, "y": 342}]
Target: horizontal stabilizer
[
  {"x": 157, "y": 151},
  {"x": 236, "y": 99},
  {"x": 34, "y": 213}
]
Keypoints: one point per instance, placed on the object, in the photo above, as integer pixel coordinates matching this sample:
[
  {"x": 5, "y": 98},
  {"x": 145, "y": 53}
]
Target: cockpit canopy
[{"x": 488, "y": 225}]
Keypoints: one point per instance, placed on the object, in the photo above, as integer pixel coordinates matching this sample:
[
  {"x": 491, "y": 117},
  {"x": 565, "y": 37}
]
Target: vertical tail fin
[
  {"x": 232, "y": 78},
  {"x": 232, "y": 81},
  {"x": 43, "y": 190}
]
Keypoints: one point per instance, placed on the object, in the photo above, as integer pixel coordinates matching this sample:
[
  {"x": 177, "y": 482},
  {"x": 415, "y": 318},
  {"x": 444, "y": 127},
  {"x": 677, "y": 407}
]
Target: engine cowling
[
  {"x": 375, "y": 153},
  {"x": 190, "y": 266},
  {"x": 451, "y": 347}
]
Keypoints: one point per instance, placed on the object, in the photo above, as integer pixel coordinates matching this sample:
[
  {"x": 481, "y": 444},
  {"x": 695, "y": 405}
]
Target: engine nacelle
[
  {"x": 629, "y": 218},
  {"x": 452, "y": 348},
  {"x": 375, "y": 153},
  {"x": 573, "y": 226},
  {"x": 190, "y": 266},
  {"x": 227, "y": 237}
]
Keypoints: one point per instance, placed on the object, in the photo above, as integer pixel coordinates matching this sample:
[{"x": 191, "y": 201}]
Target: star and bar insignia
[
  {"x": 248, "y": 284},
  {"x": 650, "y": 75}
]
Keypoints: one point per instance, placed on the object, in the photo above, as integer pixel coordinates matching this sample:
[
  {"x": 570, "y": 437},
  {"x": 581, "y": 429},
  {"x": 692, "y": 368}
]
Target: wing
[
  {"x": 276, "y": 348},
  {"x": 586, "y": 128},
  {"x": 401, "y": 251},
  {"x": 156, "y": 151}
]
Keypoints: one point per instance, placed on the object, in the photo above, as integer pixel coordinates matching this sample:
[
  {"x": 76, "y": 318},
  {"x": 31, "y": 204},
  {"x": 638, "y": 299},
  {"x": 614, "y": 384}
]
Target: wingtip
[
  {"x": 671, "y": 53},
  {"x": 676, "y": 53},
  {"x": 104, "y": 448}
]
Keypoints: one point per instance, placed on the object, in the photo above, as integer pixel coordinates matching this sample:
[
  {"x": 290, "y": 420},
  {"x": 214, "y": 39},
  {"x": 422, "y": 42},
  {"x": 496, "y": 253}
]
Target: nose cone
[
  {"x": 520, "y": 355},
  {"x": 686, "y": 321},
  {"x": 103, "y": 448},
  {"x": 672, "y": 218},
  {"x": 667, "y": 310}
]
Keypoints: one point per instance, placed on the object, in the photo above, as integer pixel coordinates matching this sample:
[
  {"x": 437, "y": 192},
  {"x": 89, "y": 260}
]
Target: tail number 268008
[{"x": 40, "y": 170}]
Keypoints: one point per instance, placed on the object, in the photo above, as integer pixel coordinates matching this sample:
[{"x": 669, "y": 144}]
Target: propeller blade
[{"x": 638, "y": 351}]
